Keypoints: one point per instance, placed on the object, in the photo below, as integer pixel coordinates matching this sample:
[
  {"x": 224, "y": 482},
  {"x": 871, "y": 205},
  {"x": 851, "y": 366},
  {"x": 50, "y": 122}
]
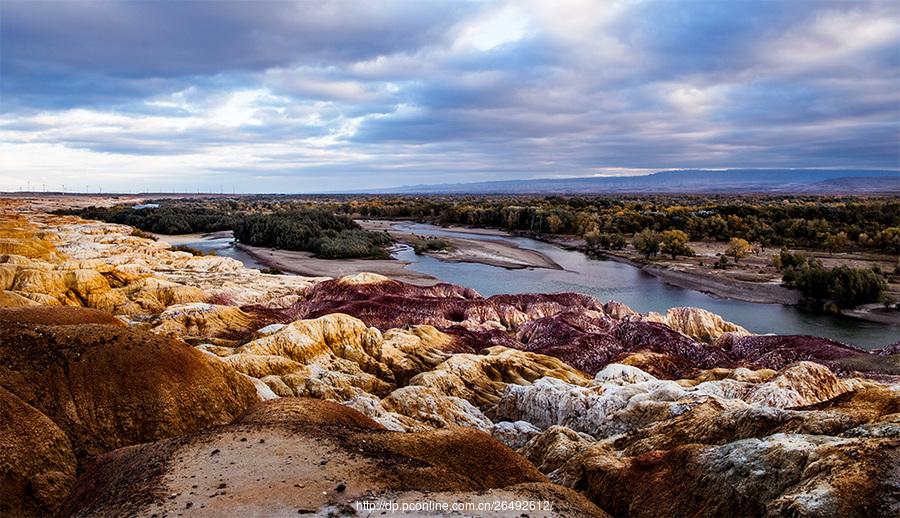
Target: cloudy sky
[{"x": 314, "y": 96}]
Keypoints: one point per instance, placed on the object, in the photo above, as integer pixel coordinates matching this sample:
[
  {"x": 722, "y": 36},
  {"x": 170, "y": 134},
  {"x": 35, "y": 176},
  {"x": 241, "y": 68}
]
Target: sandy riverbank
[
  {"x": 186, "y": 239},
  {"x": 498, "y": 253},
  {"x": 754, "y": 280},
  {"x": 726, "y": 287},
  {"x": 762, "y": 289},
  {"x": 390, "y": 225},
  {"x": 875, "y": 313},
  {"x": 303, "y": 263}
]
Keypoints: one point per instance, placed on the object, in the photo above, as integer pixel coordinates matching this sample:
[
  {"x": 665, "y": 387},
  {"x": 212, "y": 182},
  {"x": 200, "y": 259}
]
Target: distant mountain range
[{"x": 807, "y": 181}]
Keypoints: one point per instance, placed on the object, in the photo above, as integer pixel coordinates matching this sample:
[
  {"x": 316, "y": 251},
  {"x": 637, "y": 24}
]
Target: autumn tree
[
  {"x": 592, "y": 242},
  {"x": 738, "y": 248},
  {"x": 554, "y": 223},
  {"x": 890, "y": 239},
  {"x": 675, "y": 243}
]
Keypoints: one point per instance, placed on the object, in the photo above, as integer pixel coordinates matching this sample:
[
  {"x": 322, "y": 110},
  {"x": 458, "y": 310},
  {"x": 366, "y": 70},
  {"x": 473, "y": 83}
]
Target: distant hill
[{"x": 808, "y": 181}]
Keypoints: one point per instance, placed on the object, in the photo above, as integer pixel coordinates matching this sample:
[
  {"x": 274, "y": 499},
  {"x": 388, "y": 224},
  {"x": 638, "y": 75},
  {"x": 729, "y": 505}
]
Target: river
[
  {"x": 220, "y": 243},
  {"x": 612, "y": 280}
]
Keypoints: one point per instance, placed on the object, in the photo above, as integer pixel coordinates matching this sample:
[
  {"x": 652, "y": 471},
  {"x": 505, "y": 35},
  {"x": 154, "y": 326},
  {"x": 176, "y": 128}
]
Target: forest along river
[{"x": 611, "y": 280}]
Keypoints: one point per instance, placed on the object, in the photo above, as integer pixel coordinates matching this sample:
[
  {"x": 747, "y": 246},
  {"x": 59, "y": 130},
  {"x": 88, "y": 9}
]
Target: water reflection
[{"x": 223, "y": 245}]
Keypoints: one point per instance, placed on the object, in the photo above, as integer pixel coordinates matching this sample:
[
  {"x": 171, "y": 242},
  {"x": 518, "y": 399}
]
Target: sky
[{"x": 287, "y": 96}]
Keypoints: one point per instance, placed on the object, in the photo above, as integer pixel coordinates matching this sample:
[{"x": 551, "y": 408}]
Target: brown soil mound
[
  {"x": 57, "y": 316},
  {"x": 307, "y": 412},
  {"x": 280, "y": 460},
  {"x": 107, "y": 386},
  {"x": 11, "y": 299},
  {"x": 462, "y": 451},
  {"x": 37, "y": 465}
]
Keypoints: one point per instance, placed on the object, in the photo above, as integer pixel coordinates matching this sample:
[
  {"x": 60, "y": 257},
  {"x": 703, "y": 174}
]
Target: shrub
[
  {"x": 191, "y": 250},
  {"x": 348, "y": 244},
  {"x": 431, "y": 244},
  {"x": 722, "y": 263},
  {"x": 136, "y": 232}
]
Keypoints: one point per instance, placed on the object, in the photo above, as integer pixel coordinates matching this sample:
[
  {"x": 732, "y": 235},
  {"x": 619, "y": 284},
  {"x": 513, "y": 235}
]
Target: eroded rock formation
[
  {"x": 130, "y": 368},
  {"x": 750, "y": 444},
  {"x": 63, "y": 260},
  {"x": 107, "y": 386},
  {"x": 575, "y": 328}
]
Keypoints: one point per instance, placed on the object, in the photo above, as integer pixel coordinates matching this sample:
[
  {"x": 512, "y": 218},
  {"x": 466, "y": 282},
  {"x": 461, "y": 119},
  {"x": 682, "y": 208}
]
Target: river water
[
  {"x": 222, "y": 243},
  {"x": 611, "y": 280}
]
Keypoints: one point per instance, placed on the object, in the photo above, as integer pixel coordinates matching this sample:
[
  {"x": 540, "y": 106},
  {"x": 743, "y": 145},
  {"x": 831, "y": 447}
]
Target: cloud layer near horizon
[{"x": 314, "y": 96}]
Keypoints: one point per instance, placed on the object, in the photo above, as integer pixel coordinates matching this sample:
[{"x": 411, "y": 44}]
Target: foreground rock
[
  {"x": 75, "y": 383},
  {"x": 108, "y": 386},
  {"x": 800, "y": 442},
  {"x": 407, "y": 379},
  {"x": 37, "y": 465},
  {"x": 308, "y": 456}
]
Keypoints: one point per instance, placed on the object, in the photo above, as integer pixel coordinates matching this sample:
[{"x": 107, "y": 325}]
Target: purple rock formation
[{"x": 576, "y": 328}]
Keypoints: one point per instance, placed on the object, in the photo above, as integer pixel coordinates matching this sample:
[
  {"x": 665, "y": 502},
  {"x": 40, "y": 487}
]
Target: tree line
[
  {"x": 830, "y": 223},
  {"x": 840, "y": 287},
  {"x": 665, "y": 224},
  {"x": 287, "y": 226},
  {"x": 319, "y": 231}
]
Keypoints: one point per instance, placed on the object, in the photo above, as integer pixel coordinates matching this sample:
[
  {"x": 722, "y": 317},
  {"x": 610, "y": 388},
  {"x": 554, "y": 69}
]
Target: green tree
[
  {"x": 617, "y": 241},
  {"x": 432, "y": 244},
  {"x": 648, "y": 242},
  {"x": 598, "y": 241},
  {"x": 675, "y": 243},
  {"x": 835, "y": 242},
  {"x": 848, "y": 287},
  {"x": 789, "y": 260},
  {"x": 890, "y": 240}
]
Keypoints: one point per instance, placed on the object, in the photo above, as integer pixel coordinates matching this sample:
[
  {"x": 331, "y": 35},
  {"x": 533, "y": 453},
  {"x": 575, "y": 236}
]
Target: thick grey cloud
[
  {"x": 171, "y": 38},
  {"x": 282, "y": 95}
]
